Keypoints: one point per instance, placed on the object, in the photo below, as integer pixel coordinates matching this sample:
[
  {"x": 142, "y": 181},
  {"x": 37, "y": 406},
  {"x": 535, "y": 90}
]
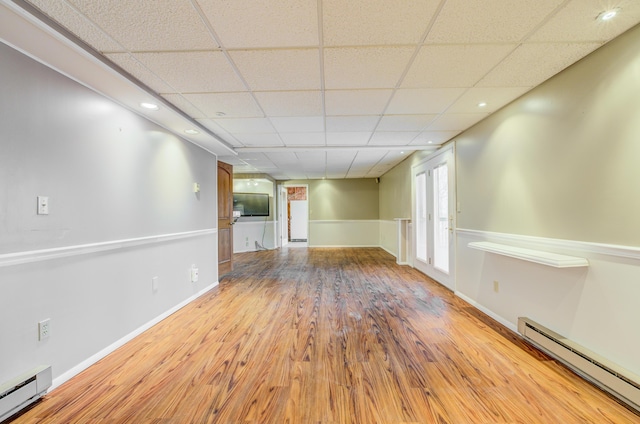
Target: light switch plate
[{"x": 43, "y": 205}]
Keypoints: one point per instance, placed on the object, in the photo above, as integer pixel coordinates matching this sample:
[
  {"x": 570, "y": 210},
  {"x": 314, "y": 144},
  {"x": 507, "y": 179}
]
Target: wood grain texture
[{"x": 327, "y": 336}]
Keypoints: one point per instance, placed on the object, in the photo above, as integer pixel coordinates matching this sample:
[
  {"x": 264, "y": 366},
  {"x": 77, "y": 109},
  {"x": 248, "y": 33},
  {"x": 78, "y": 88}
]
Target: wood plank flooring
[{"x": 327, "y": 336}]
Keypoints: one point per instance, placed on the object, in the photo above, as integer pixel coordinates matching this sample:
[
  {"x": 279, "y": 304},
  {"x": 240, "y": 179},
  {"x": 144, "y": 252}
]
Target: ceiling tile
[
  {"x": 193, "y": 72},
  {"x": 348, "y": 138},
  {"x": 268, "y": 139},
  {"x": 303, "y": 139},
  {"x": 375, "y": 22},
  {"x": 282, "y": 158},
  {"x": 368, "y": 158},
  {"x": 533, "y": 63},
  {"x": 577, "y": 21},
  {"x": 488, "y": 21},
  {"x": 233, "y": 105},
  {"x": 246, "y": 125},
  {"x": 448, "y": 65},
  {"x": 339, "y": 160},
  {"x": 356, "y": 102},
  {"x": 136, "y": 69},
  {"x": 279, "y": 70},
  {"x": 162, "y": 25},
  {"x": 298, "y": 124},
  {"x": 419, "y": 101},
  {"x": 291, "y": 103},
  {"x": 494, "y": 97},
  {"x": 282, "y": 23},
  {"x": 456, "y": 121},
  {"x": 436, "y": 137},
  {"x": 396, "y": 138},
  {"x": 405, "y": 122},
  {"x": 352, "y": 123},
  {"x": 83, "y": 28},
  {"x": 351, "y": 67},
  {"x": 185, "y": 105},
  {"x": 219, "y": 131}
]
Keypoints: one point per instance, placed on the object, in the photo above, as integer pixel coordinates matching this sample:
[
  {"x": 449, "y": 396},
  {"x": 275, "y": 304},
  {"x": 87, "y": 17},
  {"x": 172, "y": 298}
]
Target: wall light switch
[
  {"x": 196, "y": 188},
  {"x": 43, "y": 205}
]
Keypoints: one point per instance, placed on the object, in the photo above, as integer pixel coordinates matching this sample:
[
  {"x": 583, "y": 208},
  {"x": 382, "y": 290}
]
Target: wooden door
[{"x": 225, "y": 219}]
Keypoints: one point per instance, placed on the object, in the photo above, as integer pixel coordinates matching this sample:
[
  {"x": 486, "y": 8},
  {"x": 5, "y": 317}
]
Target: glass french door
[{"x": 434, "y": 217}]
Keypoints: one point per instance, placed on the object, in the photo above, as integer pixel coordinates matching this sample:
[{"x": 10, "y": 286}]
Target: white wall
[
  {"x": 246, "y": 234},
  {"x": 122, "y": 211},
  {"x": 389, "y": 236}
]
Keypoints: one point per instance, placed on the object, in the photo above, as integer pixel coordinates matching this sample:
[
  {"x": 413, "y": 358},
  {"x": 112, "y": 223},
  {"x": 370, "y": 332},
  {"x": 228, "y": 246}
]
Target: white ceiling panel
[
  {"x": 422, "y": 101},
  {"x": 233, "y": 105},
  {"x": 338, "y": 160},
  {"x": 136, "y": 69},
  {"x": 160, "y": 25},
  {"x": 534, "y": 63},
  {"x": 185, "y": 105},
  {"x": 435, "y": 137},
  {"x": 79, "y": 25},
  {"x": 282, "y": 23},
  {"x": 351, "y": 138},
  {"x": 303, "y": 139},
  {"x": 352, "y": 123},
  {"x": 405, "y": 122},
  {"x": 456, "y": 121},
  {"x": 291, "y": 103},
  {"x": 448, "y": 65},
  {"x": 349, "y": 67},
  {"x": 395, "y": 138},
  {"x": 193, "y": 72},
  {"x": 495, "y": 98},
  {"x": 246, "y": 125},
  {"x": 577, "y": 21},
  {"x": 282, "y": 158},
  {"x": 375, "y": 22},
  {"x": 356, "y": 102},
  {"x": 316, "y": 75},
  {"x": 298, "y": 124},
  {"x": 279, "y": 70},
  {"x": 269, "y": 139},
  {"x": 368, "y": 158},
  {"x": 488, "y": 21}
]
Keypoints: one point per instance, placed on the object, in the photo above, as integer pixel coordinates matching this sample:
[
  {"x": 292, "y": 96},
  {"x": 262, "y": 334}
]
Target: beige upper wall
[
  {"x": 341, "y": 199},
  {"x": 563, "y": 160},
  {"x": 395, "y": 188}
]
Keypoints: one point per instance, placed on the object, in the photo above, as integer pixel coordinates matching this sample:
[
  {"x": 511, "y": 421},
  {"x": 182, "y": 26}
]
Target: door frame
[
  {"x": 306, "y": 186},
  {"x": 445, "y": 154},
  {"x": 283, "y": 238}
]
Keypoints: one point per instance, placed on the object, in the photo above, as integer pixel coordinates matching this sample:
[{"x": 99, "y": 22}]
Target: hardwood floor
[{"x": 327, "y": 336}]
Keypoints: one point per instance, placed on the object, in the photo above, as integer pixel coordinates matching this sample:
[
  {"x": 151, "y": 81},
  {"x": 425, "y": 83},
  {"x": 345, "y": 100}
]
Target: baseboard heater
[
  {"x": 620, "y": 383},
  {"x": 23, "y": 390}
]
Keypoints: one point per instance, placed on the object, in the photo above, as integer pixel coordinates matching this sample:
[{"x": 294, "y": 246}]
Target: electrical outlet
[
  {"x": 496, "y": 286},
  {"x": 44, "y": 329},
  {"x": 194, "y": 274},
  {"x": 43, "y": 205}
]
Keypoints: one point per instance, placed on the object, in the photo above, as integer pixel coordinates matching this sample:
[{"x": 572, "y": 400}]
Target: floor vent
[
  {"x": 23, "y": 391},
  {"x": 621, "y": 383}
]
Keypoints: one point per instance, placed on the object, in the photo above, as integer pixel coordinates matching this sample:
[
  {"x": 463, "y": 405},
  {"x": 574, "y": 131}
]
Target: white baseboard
[
  {"x": 118, "y": 343},
  {"x": 501, "y": 320}
]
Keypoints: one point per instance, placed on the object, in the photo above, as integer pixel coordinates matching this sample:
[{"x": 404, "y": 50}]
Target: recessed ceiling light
[
  {"x": 608, "y": 14},
  {"x": 191, "y": 131},
  {"x": 150, "y": 106},
  {"x": 220, "y": 114},
  {"x": 429, "y": 142},
  {"x": 482, "y": 104}
]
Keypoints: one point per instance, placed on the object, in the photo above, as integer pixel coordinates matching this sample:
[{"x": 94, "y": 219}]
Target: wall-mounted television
[{"x": 251, "y": 204}]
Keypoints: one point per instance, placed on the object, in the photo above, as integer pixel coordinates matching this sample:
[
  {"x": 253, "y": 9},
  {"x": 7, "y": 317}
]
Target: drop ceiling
[{"x": 306, "y": 89}]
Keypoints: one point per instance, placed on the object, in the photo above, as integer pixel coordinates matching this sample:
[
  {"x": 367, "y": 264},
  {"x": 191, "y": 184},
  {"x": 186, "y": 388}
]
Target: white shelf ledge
[{"x": 537, "y": 256}]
